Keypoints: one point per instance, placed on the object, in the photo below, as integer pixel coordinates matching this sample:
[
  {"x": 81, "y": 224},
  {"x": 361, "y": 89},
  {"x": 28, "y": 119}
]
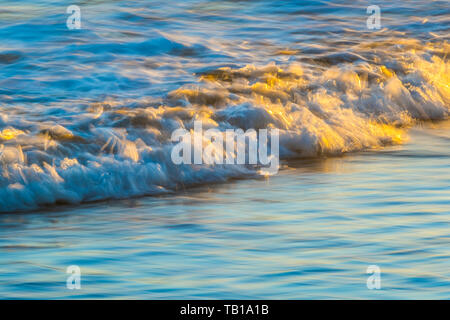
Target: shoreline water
[
  {"x": 87, "y": 114},
  {"x": 309, "y": 232},
  {"x": 86, "y": 117},
  {"x": 288, "y": 164}
]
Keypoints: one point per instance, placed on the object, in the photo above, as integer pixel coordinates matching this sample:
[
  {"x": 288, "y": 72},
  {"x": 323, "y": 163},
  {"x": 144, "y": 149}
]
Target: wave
[{"x": 323, "y": 106}]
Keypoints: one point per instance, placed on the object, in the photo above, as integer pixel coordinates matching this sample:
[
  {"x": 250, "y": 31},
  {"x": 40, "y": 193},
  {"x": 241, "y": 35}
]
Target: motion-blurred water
[
  {"x": 88, "y": 114},
  {"x": 86, "y": 117},
  {"x": 310, "y": 232},
  {"x": 134, "y": 49}
]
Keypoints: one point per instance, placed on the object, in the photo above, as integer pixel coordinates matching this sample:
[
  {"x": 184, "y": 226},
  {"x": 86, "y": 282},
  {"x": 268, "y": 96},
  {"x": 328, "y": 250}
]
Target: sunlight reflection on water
[{"x": 310, "y": 232}]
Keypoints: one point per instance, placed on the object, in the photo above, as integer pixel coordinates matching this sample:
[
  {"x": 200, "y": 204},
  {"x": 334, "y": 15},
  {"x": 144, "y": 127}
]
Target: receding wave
[{"x": 323, "y": 106}]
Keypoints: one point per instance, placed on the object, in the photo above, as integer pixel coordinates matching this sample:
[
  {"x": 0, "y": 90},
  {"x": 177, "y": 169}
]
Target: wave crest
[{"x": 121, "y": 149}]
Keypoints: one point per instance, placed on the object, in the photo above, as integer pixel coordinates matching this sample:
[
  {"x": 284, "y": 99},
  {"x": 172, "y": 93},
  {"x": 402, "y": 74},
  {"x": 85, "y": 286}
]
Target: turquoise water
[
  {"x": 310, "y": 232},
  {"x": 87, "y": 179}
]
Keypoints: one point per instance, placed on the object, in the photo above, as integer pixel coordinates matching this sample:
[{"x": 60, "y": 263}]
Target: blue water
[
  {"x": 309, "y": 232},
  {"x": 131, "y": 49},
  {"x": 87, "y": 179}
]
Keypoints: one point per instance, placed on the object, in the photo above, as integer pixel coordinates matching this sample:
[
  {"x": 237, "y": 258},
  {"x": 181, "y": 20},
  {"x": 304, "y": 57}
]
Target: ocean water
[
  {"x": 87, "y": 179},
  {"x": 308, "y": 233}
]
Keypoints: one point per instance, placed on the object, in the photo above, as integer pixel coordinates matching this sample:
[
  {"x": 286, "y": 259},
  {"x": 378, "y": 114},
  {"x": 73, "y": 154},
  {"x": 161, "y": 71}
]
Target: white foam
[{"x": 122, "y": 149}]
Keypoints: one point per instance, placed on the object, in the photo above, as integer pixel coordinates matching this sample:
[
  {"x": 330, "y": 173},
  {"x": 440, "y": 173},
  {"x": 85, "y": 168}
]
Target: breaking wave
[{"x": 329, "y": 105}]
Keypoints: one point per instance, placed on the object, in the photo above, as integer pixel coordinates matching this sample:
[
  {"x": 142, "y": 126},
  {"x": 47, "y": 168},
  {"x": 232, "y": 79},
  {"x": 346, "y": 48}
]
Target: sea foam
[{"x": 119, "y": 149}]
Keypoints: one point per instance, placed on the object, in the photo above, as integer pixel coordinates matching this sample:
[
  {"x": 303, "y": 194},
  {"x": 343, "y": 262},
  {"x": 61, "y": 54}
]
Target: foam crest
[{"x": 120, "y": 149}]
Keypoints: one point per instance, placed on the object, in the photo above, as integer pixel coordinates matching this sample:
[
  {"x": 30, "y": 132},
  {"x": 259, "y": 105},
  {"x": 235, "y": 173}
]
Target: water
[
  {"x": 309, "y": 232},
  {"x": 85, "y": 123}
]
